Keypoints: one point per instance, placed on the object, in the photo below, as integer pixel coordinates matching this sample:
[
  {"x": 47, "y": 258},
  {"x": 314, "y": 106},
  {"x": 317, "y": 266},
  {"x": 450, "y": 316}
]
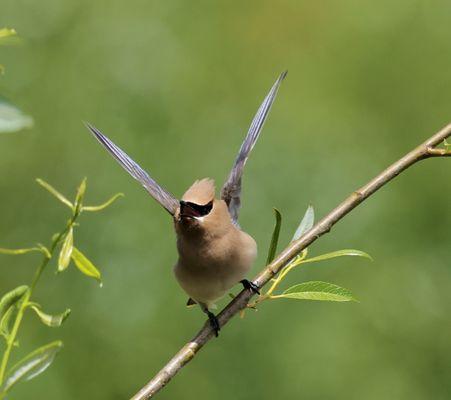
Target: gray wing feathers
[
  {"x": 231, "y": 190},
  {"x": 155, "y": 190}
]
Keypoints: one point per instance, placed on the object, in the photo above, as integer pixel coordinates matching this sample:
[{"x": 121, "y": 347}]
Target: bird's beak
[{"x": 186, "y": 211}]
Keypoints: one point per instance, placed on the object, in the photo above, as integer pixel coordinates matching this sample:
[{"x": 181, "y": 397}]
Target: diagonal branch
[{"x": 186, "y": 353}]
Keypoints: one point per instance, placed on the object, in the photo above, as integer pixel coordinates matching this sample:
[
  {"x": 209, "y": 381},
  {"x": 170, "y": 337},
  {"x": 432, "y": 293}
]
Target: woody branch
[{"x": 426, "y": 150}]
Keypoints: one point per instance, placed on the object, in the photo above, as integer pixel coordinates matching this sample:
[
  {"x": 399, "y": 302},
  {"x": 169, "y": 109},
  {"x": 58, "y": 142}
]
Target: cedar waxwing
[{"x": 214, "y": 253}]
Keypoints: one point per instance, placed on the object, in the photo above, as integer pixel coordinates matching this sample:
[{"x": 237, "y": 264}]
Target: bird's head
[{"x": 199, "y": 210}]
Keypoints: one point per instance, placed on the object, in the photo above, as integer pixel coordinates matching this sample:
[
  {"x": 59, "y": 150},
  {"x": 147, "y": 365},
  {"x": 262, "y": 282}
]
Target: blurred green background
[{"x": 176, "y": 84}]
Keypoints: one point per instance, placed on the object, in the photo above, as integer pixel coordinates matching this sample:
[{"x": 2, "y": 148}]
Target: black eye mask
[{"x": 188, "y": 209}]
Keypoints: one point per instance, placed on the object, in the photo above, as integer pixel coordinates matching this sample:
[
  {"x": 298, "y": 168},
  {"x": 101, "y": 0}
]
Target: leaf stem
[
  {"x": 296, "y": 261},
  {"x": 12, "y": 338},
  {"x": 26, "y": 300}
]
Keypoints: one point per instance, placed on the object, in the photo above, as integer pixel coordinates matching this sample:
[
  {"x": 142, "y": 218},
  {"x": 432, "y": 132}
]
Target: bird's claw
[
  {"x": 214, "y": 323},
  {"x": 247, "y": 284}
]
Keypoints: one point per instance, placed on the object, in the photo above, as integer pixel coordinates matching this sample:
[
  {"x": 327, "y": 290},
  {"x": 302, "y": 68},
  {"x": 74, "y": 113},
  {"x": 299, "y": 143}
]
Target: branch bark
[{"x": 189, "y": 350}]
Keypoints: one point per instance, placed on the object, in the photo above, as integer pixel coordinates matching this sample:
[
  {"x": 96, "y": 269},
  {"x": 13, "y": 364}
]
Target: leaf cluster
[
  {"x": 312, "y": 290},
  {"x": 16, "y": 302}
]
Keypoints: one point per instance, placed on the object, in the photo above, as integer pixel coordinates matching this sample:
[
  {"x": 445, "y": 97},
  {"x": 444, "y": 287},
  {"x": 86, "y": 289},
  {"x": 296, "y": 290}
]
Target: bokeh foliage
[
  {"x": 11, "y": 118},
  {"x": 176, "y": 85}
]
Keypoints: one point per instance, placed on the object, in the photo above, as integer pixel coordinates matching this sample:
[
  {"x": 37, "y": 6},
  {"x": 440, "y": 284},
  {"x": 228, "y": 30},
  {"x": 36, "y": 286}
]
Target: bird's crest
[{"x": 201, "y": 192}]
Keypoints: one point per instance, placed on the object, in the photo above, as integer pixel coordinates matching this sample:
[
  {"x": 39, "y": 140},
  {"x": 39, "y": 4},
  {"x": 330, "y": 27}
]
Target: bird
[{"x": 214, "y": 253}]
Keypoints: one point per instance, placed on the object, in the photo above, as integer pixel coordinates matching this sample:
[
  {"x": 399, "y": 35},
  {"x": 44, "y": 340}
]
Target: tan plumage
[
  {"x": 201, "y": 191},
  {"x": 214, "y": 253}
]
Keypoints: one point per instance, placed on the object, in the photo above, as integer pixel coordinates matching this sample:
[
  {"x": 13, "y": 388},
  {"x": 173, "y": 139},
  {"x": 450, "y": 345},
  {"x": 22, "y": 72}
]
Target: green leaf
[
  {"x": 66, "y": 251},
  {"x": 14, "y": 252},
  {"x": 55, "y": 193},
  {"x": 306, "y": 223},
  {"x": 338, "y": 253},
  {"x": 53, "y": 321},
  {"x": 84, "y": 265},
  {"x": 80, "y": 194},
  {"x": 5, "y": 321},
  {"x": 275, "y": 237},
  {"x": 104, "y": 205},
  {"x": 12, "y": 119},
  {"x": 32, "y": 365},
  {"x": 8, "y": 305},
  {"x": 316, "y": 290},
  {"x": 11, "y": 298}
]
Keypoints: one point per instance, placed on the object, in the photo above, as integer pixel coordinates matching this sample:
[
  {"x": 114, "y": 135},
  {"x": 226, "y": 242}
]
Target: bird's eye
[
  {"x": 193, "y": 210},
  {"x": 201, "y": 210},
  {"x": 207, "y": 207}
]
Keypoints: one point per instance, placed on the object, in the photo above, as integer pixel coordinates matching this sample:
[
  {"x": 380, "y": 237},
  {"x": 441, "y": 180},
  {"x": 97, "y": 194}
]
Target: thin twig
[
  {"x": 187, "y": 352},
  {"x": 438, "y": 152}
]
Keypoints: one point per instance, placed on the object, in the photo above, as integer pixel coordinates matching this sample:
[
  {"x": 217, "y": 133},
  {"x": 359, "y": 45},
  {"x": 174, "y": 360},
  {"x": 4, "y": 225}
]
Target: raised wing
[
  {"x": 231, "y": 190},
  {"x": 169, "y": 202}
]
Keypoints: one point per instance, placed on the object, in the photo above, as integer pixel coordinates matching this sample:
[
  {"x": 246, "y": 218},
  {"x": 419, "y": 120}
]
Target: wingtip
[
  {"x": 94, "y": 131},
  {"x": 86, "y": 123},
  {"x": 280, "y": 79},
  {"x": 89, "y": 126}
]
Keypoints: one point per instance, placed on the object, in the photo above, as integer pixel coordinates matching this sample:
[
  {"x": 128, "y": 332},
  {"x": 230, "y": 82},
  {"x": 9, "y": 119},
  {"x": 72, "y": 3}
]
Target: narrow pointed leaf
[
  {"x": 15, "y": 252},
  {"x": 12, "y": 119},
  {"x": 80, "y": 194},
  {"x": 275, "y": 237},
  {"x": 317, "y": 290},
  {"x": 11, "y": 298},
  {"x": 66, "y": 251},
  {"x": 55, "y": 192},
  {"x": 84, "y": 265},
  {"x": 5, "y": 321},
  {"x": 306, "y": 223},
  {"x": 338, "y": 253},
  {"x": 53, "y": 321},
  {"x": 32, "y": 365},
  {"x": 104, "y": 205}
]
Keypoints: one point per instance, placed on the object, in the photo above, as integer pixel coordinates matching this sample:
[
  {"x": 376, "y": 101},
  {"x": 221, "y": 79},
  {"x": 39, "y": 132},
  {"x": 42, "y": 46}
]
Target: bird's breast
[
  {"x": 207, "y": 271},
  {"x": 236, "y": 248}
]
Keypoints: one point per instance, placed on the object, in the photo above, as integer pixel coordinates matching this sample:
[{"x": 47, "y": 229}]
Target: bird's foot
[
  {"x": 214, "y": 323},
  {"x": 247, "y": 284}
]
